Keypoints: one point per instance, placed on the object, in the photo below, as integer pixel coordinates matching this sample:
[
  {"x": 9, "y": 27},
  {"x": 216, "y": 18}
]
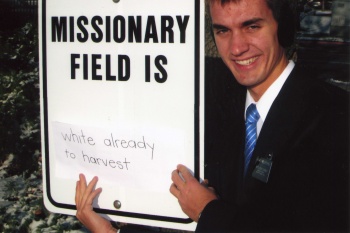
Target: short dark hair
[{"x": 283, "y": 14}]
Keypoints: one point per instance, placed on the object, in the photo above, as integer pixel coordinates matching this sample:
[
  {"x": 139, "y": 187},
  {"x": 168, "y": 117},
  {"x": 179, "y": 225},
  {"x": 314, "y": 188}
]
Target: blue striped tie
[{"x": 252, "y": 117}]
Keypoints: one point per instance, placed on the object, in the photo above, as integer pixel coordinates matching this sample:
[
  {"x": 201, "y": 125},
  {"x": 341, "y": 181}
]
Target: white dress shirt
[{"x": 266, "y": 100}]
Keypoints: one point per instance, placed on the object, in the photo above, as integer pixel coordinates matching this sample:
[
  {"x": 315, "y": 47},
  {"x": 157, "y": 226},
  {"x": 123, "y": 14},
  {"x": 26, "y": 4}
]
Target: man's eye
[
  {"x": 221, "y": 31},
  {"x": 253, "y": 27}
]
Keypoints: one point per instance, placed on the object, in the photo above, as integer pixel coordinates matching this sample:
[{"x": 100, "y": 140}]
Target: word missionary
[{"x": 120, "y": 29}]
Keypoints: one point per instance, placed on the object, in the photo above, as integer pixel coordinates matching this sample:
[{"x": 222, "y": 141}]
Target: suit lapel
[{"x": 281, "y": 122}]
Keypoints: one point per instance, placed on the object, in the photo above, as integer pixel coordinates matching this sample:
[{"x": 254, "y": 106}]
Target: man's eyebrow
[
  {"x": 218, "y": 26},
  {"x": 251, "y": 21},
  {"x": 244, "y": 24}
]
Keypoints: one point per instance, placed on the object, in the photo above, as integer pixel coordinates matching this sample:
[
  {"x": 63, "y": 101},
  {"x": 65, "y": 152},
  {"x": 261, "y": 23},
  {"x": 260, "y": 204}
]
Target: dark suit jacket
[{"x": 306, "y": 131}]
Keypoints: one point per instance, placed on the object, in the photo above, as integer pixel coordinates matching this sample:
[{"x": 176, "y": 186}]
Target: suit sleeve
[{"x": 216, "y": 217}]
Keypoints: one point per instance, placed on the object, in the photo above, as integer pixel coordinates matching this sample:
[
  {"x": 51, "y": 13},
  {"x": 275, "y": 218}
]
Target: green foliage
[{"x": 19, "y": 96}]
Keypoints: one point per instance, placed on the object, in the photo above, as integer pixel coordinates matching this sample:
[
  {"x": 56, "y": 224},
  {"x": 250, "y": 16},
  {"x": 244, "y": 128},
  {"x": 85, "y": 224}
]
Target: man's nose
[{"x": 238, "y": 44}]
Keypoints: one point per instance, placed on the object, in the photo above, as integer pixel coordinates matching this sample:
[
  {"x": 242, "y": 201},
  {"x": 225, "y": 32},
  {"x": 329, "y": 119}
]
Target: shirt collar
[{"x": 266, "y": 100}]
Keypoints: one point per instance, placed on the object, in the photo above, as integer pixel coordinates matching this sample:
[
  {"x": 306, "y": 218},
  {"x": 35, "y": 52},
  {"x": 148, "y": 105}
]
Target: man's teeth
[{"x": 246, "y": 62}]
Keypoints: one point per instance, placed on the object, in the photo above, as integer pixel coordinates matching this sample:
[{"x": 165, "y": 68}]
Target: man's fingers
[
  {"x": 80, "y": 189},
  {"x": 93, "y": 195},
  {"x": 174, "y": 190},
  {"x": 82, "y": 184},
  {"x": 186, "y": 174},
  {"x": 90, "y": 188},
  {"x": 92, "y": 184},
  {"x": 77, "y": 194},
  {"x": 178, "y": 181},
  {"x": 87, "y": 193},
  {"x": 181, "y": 176}
]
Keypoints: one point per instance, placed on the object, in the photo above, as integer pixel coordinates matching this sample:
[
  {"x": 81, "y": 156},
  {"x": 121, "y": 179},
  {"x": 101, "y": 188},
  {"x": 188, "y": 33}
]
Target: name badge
[{"x": 263, "y": 168}]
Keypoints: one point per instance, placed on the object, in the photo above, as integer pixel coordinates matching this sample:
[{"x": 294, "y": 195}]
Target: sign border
[{"x": 196, "y": 123}]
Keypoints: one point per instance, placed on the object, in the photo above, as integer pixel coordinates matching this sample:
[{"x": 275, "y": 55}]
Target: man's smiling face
[{"x": 245, "y": 33}]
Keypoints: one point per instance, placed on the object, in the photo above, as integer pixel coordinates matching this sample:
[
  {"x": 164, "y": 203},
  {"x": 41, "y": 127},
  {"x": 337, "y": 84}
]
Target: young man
[{"x": 294, "y": 173}]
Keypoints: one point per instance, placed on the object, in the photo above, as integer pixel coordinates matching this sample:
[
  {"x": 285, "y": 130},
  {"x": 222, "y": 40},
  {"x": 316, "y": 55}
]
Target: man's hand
[
  {"x": 192, "y": 195},
  {"x": 84, "y": 196}
]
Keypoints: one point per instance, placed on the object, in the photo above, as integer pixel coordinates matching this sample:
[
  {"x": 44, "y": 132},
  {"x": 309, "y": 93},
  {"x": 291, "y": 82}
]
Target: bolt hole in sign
[{"x": 121, "y": 93}]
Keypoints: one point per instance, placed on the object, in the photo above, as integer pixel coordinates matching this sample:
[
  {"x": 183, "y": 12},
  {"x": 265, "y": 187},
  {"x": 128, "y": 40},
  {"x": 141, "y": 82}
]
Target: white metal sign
[{"x": 121, "y": 99}]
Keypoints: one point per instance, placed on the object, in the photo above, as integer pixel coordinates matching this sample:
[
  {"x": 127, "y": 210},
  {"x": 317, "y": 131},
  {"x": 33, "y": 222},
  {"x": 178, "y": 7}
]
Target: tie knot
[{"x": 252, "y": 114}]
